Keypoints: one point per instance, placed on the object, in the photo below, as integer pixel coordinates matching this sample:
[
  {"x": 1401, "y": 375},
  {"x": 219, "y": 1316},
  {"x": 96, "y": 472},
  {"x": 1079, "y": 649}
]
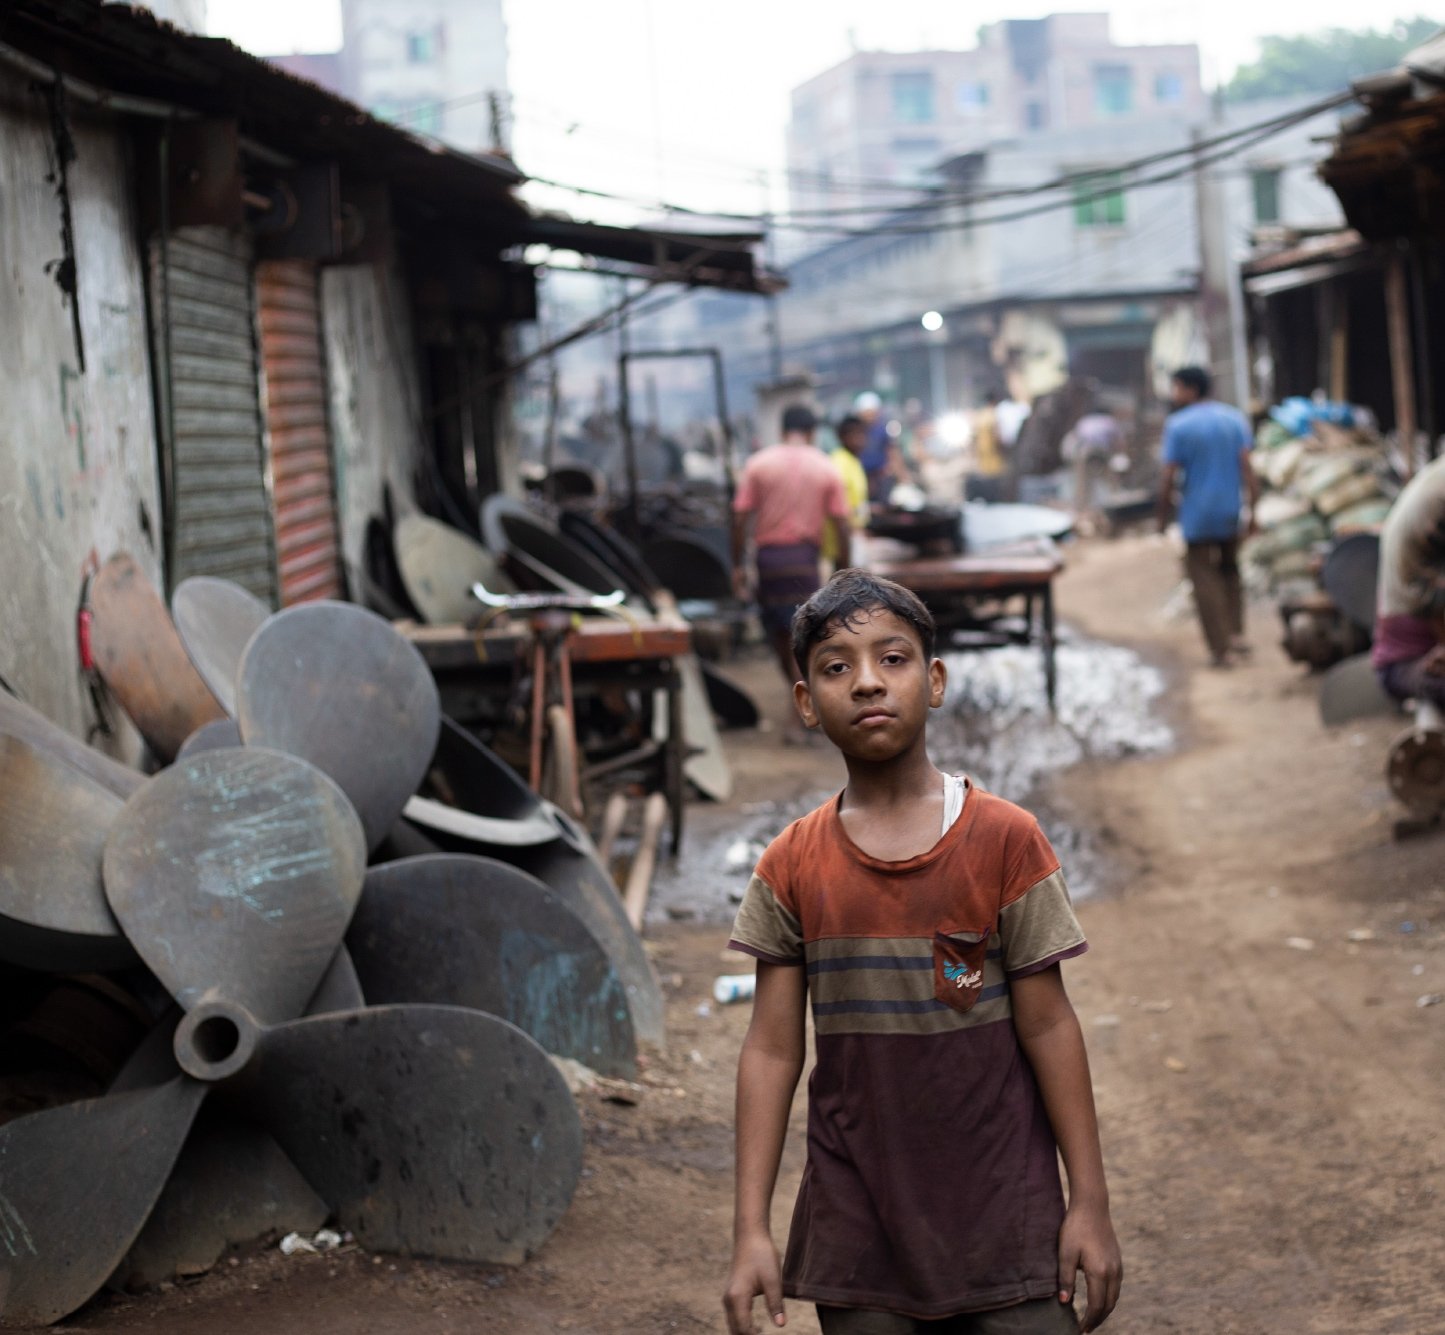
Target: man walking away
[
  {"x": 791, "y": 493},
  {"x": 1206, "y": 453}
]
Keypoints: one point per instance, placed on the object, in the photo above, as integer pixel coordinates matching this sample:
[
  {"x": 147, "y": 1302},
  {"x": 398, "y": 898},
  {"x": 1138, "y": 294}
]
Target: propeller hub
[{"x": 215, "y": 1039}]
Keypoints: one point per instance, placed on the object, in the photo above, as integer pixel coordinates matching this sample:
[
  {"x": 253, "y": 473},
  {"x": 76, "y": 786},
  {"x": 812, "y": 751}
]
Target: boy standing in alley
[{"x": 926, "y": 920}]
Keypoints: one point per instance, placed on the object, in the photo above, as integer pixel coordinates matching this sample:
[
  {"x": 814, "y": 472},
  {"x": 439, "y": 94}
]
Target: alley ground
[{"x": 1270, "y": 1089}]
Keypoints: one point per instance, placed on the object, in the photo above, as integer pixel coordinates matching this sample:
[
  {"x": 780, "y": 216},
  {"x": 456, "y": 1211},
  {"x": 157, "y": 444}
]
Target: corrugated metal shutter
[
  {"x": 307, "y": 544},
  {"x": 204, "y": 325}
]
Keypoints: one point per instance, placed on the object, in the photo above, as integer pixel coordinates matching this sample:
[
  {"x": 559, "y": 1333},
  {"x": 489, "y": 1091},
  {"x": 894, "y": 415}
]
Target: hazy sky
[{"x": 687, "y": 101}]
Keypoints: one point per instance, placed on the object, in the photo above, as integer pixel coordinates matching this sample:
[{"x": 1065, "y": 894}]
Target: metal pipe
[{"x": 125, "y": 103}]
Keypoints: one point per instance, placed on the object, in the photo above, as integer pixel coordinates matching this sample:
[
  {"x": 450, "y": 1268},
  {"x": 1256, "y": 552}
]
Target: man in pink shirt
[{"x": 789, "y": 492}]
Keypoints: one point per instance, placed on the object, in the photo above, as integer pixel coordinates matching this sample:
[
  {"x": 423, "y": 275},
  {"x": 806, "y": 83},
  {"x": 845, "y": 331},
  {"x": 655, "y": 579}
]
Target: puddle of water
[{"x": 994, "y": 726}]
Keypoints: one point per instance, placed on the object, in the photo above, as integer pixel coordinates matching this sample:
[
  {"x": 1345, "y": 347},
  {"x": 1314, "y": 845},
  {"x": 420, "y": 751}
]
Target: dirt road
[{"x": 1271, "y": 1093}]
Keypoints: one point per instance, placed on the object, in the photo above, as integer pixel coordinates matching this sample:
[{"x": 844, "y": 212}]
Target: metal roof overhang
[
  {"x": 1313, "y": 261},
  {"x": 133, "y": 58},
  {"x": 698, "y": 259}
]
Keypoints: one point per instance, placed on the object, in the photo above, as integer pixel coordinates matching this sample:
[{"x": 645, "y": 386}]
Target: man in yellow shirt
[{"x": 852, "y": 438}]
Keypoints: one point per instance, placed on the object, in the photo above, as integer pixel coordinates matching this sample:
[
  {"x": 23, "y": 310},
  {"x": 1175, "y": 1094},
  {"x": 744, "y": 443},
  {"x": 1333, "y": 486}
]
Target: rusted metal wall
[
  {"x": 205, "y": 336},
  {"x": 308, "y": 552},
  {"x": 375, "y": 415},
  {"x": 78, "y": 471}
]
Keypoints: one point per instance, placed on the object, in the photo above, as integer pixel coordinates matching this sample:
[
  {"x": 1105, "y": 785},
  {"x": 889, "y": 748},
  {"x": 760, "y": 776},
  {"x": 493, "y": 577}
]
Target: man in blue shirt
[{"x": 1206, "y": 454}]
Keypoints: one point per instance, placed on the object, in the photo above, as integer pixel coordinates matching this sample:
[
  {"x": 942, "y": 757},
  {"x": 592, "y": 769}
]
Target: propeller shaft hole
[{"x": 216, "y": 1038}]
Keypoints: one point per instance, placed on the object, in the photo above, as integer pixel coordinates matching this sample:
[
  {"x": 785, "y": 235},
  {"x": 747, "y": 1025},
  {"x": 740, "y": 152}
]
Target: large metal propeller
[{"x": 439, "y": 1130}]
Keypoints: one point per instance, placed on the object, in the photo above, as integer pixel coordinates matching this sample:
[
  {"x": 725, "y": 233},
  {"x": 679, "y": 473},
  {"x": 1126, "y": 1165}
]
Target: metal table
[
  {"x": 970, "y": 596},
  {"x": 477, "y": 673}
]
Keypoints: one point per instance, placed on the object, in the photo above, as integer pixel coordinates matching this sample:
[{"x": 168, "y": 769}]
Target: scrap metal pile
[
  {"x": 1326, "y": 481},
  {"x": 313, "y": 967}
]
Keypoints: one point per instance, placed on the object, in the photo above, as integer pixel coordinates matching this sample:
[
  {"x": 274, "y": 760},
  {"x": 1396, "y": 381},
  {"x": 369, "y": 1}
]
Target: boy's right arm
[{"x": 768, "y": 1071}]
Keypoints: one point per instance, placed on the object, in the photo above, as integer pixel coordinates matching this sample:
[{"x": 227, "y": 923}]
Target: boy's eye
[
  {"x": 893, "y": 658},
  {"x": 835, "y": 668}
]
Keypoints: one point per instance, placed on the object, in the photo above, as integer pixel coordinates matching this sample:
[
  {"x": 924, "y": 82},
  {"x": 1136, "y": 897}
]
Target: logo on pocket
[{"x": 960, "y": 975}]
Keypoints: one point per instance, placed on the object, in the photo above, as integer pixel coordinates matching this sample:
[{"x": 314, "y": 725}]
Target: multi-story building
[
  {"x": 1116, "y": 278},
  {"x": 881, "y": 120},
  {"x": 434, "y": 66}
]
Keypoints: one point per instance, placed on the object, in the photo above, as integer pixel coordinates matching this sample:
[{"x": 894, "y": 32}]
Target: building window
[
  {"x": 972, "y": 97},
  {"x": 913, "y": 97},
  {"x": 1099, "y": 201},
  {"x": 1034, "y": 118},
  {"x": 1113, "y": 90},
  {"x": 1168, "y": 88},
  {"x": 1265, "y": 181},
  {"x": 423, "y": 46}
]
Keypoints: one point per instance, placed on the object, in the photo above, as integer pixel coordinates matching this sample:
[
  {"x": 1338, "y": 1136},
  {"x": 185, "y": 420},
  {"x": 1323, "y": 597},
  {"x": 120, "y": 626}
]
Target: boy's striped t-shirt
[{"x": 932, "y": 1183}]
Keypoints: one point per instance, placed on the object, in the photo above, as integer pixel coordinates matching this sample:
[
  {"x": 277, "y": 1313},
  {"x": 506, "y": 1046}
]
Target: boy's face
[
  {"x": 854, "y": 439},
  {"x": 870, "y": 687}
]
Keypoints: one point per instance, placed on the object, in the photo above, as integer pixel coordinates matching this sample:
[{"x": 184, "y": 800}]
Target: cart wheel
[{"x": 560, "y": 782}]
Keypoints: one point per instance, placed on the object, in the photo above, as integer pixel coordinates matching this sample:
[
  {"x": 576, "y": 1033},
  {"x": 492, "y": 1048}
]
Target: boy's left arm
[{"x": 1049, "y": 1033}]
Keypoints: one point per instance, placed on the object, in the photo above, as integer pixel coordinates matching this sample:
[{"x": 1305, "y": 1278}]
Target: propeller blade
[
  {"x": 237, "y": 870},
  {"x": 431, "y": 1130},
  {"x": 339, "y": 989},
  {"x": 231, "y": 1184},
  {"x": 336, "y": 685},
  {"x": 467, "y": 931},
  {"x": 77, "y": 1184},
  {"x": 470, "y": 776},
  {"x": 438, "y": 816},
  {"x": 19, "y": 720},
  {"x": 215, "y": 619},
  {"x": 212, "y": 736},
  {"x": 140, "y": 657},
  {"x": 1351, "y": 574},
  {"x": 439, "y": 564},
  {"x": 53, "y": 825}
]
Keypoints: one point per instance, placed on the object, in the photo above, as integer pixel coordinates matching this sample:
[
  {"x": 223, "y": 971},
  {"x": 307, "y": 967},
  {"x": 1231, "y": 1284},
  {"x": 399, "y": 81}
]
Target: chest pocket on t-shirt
[{"x": 958, "y": 959}]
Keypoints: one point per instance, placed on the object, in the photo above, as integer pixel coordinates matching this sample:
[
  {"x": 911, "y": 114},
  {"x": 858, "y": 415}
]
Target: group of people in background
[{"x": 799, "y": 507}]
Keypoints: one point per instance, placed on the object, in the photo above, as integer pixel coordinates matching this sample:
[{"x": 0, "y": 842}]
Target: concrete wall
[
  {"x": 375, "y": 399},
  {"x": 78, "y": 469}
]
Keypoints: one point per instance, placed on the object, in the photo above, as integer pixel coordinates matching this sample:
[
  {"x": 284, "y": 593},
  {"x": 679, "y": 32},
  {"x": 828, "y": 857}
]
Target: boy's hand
[
  {"x": 1087, "y": 1243},
  {"x": 755, "y": 1271}
]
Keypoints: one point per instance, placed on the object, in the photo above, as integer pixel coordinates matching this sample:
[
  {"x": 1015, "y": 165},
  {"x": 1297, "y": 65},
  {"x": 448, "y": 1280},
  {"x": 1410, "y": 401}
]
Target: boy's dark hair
[
  {"x": 798, "y": 418},
  {"x": 849, "y": 597},
  {"x": 850, "y": 423},
  {"x": 1195, "y": 378}
]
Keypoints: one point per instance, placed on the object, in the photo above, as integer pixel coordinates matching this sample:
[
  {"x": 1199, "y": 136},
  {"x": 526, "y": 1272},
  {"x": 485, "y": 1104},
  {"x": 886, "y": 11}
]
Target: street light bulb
[{"x": 932, "y": 321}]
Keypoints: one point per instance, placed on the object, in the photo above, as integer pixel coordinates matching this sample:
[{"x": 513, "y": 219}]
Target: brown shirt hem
[{"x": 989, "y": 1300}]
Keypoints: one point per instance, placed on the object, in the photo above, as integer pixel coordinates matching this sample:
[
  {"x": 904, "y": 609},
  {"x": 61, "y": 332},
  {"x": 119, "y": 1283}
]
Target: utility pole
[{"x": 1220, "y": 298}]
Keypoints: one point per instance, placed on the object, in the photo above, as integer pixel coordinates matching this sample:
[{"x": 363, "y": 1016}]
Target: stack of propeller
[{"x": 329, "y": 1039}]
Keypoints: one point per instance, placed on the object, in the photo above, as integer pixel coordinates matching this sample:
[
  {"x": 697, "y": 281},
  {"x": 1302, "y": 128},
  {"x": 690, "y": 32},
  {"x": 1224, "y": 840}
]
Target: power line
[{"x": 1198, "y": 152}]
